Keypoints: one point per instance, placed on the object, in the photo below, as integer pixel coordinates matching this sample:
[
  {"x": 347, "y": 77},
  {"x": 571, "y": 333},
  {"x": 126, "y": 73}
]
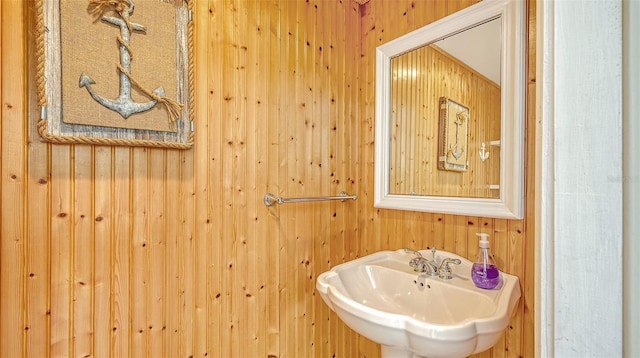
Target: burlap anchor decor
[
  {"x": 100, "y": 65},
  {"x": 124, "y": 105}
]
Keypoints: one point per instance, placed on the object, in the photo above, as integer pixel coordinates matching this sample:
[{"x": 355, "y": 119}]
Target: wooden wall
[{"x": 116, "y": 251}]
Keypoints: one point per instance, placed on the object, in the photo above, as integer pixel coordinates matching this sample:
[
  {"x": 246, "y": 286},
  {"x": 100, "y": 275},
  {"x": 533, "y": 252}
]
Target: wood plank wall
[{"x": 116, "y": 251}]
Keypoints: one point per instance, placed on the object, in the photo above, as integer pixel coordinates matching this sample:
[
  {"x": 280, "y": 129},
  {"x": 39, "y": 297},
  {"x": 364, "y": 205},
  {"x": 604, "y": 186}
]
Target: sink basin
[{"x": 414, "y": 315}]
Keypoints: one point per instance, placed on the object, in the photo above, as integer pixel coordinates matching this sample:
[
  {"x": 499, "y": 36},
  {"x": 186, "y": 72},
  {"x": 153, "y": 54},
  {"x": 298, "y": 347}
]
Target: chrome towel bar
[{"x": 270, "y": 199}]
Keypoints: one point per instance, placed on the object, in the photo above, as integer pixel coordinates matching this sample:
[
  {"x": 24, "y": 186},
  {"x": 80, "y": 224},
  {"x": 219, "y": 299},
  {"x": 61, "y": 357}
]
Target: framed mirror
[{"x": 450, "y": 114}]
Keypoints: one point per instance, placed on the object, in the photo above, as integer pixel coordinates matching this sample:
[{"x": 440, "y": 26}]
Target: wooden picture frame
[
  {"x": 453, "y": 138},
  {"x": 115, "y": 72}
]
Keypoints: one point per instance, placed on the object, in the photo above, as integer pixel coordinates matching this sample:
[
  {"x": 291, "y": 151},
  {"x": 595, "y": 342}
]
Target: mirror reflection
[
  {"x": 450, "y": 135},
  {"x": 445, "y": 118}
]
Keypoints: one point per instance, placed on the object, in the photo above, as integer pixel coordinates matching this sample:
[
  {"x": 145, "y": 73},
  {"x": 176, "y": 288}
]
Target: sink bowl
[{"x": 414, "y": 315}]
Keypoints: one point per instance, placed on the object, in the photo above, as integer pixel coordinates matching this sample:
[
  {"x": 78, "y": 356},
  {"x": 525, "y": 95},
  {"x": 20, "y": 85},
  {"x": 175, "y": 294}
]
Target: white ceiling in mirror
[
  {"x": 478, "y": 47},
  {"x": 511, "y": 49}
]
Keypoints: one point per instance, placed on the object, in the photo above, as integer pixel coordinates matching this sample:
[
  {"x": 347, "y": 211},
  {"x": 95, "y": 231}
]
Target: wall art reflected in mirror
[
  {"x": 450, "y": 111},
  {"x": 453, "y": 137}
]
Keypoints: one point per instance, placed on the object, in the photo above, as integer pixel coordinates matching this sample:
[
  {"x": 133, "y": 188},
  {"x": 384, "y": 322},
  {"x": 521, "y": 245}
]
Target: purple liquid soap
[{"x": 488, "y": 279}]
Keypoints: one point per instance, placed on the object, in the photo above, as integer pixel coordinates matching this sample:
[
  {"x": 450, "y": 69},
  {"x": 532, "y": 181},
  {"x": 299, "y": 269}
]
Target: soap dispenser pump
[{"x": 484, "y": 272}]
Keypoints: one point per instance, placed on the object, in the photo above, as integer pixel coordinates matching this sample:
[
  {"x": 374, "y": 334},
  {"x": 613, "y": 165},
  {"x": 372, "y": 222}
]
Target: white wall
[
  {"x": 580, "y": 211},
  {"x": 631, "y": 89}
]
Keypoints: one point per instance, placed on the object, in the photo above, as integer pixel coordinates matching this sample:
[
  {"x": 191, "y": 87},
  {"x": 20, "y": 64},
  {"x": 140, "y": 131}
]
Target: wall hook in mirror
[{"x": 484, "y": 153}]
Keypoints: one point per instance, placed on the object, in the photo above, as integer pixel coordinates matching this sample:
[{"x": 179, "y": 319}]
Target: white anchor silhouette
[
  {"x": 484, "y": 153},
  {"x": 124, "y": 104}
]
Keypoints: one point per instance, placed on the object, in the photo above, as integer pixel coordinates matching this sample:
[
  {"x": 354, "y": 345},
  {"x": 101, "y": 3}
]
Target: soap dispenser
[{"x": 484, "y": 272}]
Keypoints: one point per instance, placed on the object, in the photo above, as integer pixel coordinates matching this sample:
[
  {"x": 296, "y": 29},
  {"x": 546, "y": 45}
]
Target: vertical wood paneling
[
  {"x": 82, "y": 250},
  {"x": 103, "y": 251},
  {"x": 415, "y": 149},
  {"x": 288, "y": 274},
  {"x": 327, "y": 118},
  {"x": 121, "y": 284},
  {"x": 38, "y": 223},
  {"x": 224, "y": 197},
  {"x": 529, "y": 244},
  {"x": 140, "y": 269},
  {"x": 274, "y": 135},
  {"x": 201, "y": 297},
  {"x": 240, "y": 324},
  {"x": 156, "y": 246},
  {"x": 260, "y": 287},
  {"x": 129, "y": 252},
  {"x": 13, "y": 182},
  {"x": 61, "y": 254},
  {"x": 253, "y": 295},
  {"x": 173, "y": 216},
  {"x": 191, "y": 310}
]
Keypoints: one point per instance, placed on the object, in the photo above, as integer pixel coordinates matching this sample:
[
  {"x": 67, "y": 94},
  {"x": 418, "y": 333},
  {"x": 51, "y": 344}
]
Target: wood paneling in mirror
[
  {"x": 136, "y": 252},
  {"x": 420, "y": 78}
]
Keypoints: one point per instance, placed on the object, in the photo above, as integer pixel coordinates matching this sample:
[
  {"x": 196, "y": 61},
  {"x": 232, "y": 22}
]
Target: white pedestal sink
[{"x": 413, "y": 315}]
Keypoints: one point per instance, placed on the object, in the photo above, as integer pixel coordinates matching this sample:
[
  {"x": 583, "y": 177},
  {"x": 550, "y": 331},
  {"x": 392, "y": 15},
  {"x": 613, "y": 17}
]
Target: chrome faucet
[{"x": 423, "y": 265}]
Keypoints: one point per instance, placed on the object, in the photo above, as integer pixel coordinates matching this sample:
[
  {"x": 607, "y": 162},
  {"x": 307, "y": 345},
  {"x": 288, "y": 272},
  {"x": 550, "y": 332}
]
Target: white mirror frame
[{"x": 510, "y": 204}]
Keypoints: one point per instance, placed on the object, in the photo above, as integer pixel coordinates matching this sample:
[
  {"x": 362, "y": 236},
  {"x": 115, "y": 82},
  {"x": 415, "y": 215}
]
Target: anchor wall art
[
  {"x": 454, "y": 136},
  {"x": 116, "y": 72}
]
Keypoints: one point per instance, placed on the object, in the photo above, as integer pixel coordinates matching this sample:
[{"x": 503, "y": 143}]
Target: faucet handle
[
  {"x": 412, "y": 251},
  {"x": 414, "y": 263},
  {"x": 419, "y": 263},
  {"x": 444, "y": 271},
  {"x": 418, "y": 254}
]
